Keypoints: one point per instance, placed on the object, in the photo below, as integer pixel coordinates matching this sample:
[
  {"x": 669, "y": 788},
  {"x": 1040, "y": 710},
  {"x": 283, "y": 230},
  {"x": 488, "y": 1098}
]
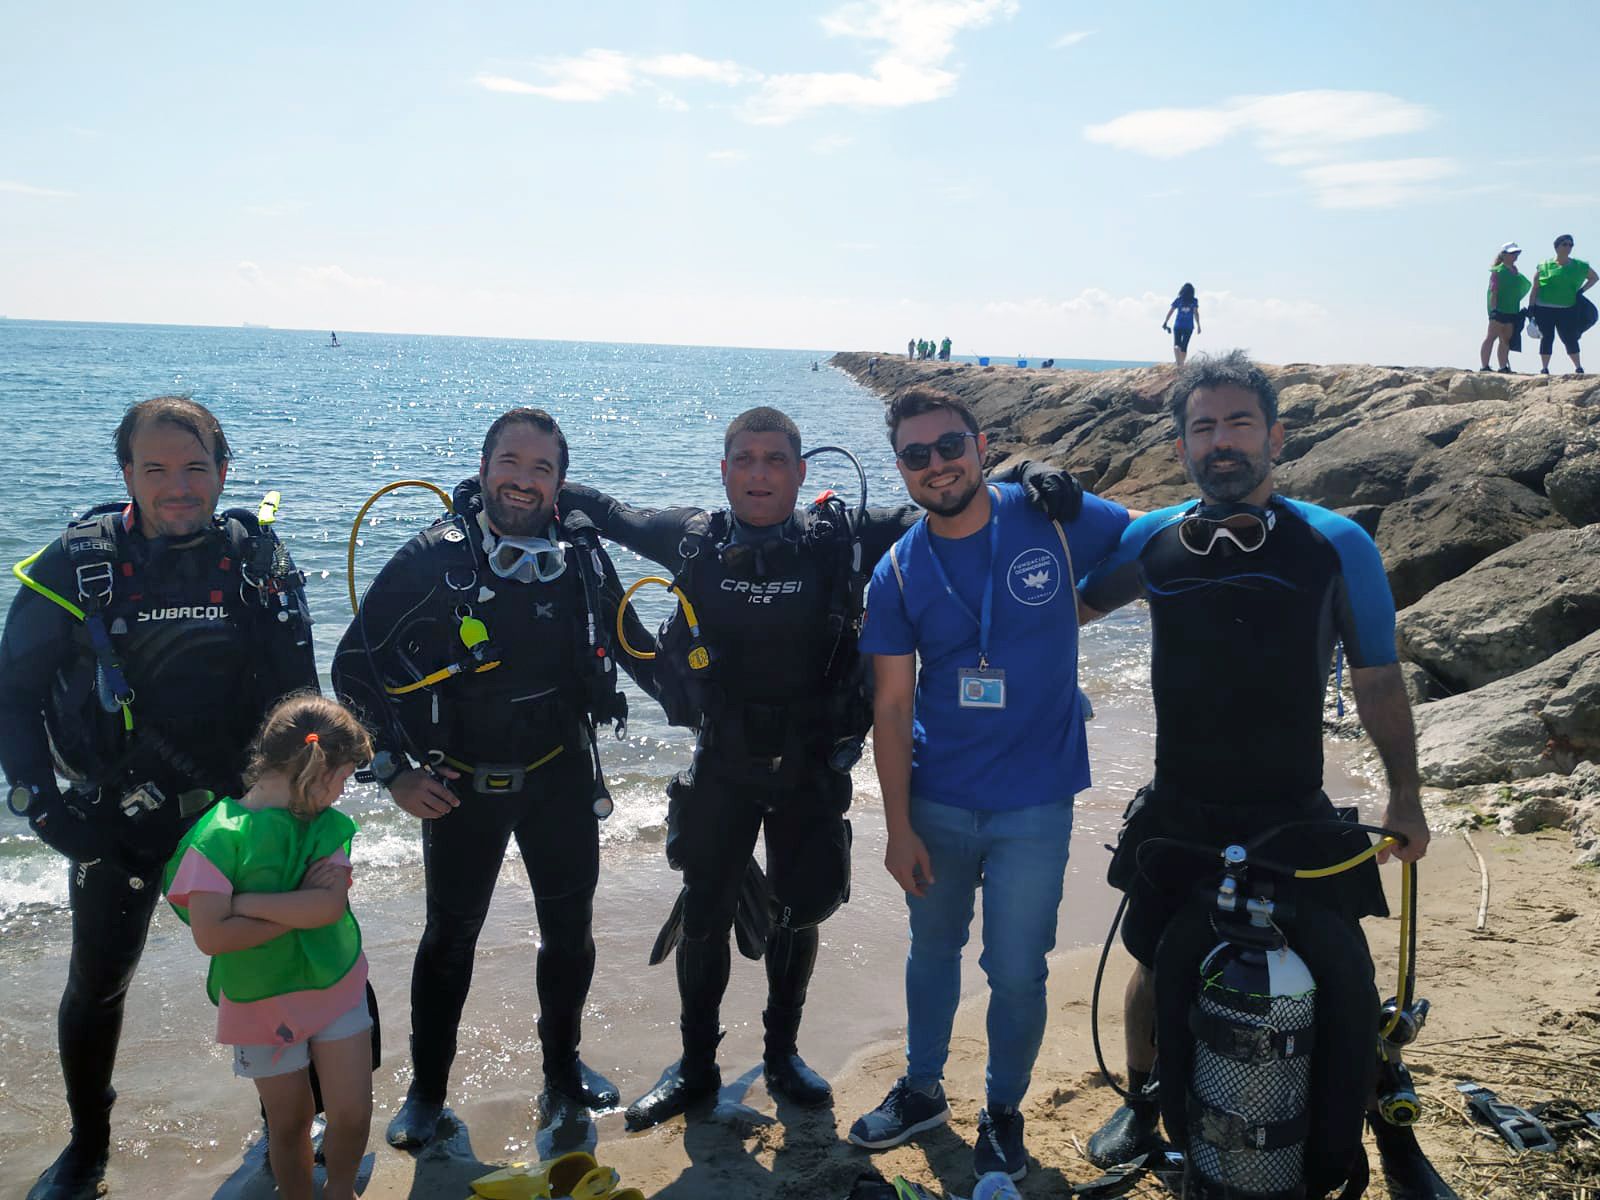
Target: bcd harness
[
  {"x": 472, "y": 588},
  {"x": 253, "y": 563},
  {"x": 693, "y": 693}
]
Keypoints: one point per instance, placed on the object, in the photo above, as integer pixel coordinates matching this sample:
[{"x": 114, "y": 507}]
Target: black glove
[{"x": 1054, "y": 493}]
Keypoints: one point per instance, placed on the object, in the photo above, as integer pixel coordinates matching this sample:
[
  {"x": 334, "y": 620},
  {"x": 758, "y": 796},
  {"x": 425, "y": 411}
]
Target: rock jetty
[{"x": 1483, "y": 494}]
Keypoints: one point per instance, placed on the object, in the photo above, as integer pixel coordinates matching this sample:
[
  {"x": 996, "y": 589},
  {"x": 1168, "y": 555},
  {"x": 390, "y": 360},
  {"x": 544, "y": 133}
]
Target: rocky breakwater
[{"x": 1483, "y": 493}]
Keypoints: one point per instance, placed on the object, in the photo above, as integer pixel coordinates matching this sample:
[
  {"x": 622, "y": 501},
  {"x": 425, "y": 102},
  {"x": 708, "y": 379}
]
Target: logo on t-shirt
[{"x": 1035, "y": 576}]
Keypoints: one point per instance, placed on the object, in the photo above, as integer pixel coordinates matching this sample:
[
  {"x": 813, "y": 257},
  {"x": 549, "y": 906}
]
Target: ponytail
[{"x": 305, "y": 737}]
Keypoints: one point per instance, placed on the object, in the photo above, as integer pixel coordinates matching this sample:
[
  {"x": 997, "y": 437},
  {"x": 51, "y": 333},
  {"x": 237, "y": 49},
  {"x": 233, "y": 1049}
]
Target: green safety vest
[{"x": 268, "y": 850}]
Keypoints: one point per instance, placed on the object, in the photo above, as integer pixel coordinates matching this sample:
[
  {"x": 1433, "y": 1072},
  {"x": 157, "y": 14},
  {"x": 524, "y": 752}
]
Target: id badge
[{"x": 978, "y": 688}]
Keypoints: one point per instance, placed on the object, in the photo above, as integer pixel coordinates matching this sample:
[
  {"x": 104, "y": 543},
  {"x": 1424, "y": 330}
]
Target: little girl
[{"x": 262, "y": 883}]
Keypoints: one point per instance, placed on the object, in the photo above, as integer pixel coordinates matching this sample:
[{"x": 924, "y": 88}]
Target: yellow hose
[
  {"x": 622, "y": 608},
  {"x": 355, "y": 529},
  {"x": 1378, "y": 847},
  {"x": 1407, "y": 923},
  {"x": 20, "y": 570}
]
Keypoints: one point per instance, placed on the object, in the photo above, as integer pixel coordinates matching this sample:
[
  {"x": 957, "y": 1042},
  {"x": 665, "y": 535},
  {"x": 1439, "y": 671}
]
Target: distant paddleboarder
[{"x": 333, "y": 339}]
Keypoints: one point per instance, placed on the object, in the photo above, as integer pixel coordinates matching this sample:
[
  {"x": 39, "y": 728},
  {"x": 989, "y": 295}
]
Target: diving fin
[
  {"x": 1406, "y": 1169},
  {"x": 671, "y": 930},
  {"x": 752, "y": 920},
  {"x": 1519, "y": 1127},
  {"x": 576, "y": 1175}
]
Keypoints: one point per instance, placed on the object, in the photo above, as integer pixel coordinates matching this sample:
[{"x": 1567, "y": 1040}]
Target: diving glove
[{"x": 1055, "y": 493}]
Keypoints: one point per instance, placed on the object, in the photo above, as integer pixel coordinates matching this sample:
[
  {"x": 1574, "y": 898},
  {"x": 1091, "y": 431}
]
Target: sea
[{"x": 326, "y": 427}]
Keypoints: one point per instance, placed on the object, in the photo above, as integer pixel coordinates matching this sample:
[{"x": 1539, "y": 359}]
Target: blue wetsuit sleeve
[
  {"x": 1363, "y": 606},
  {"x": 888, "y": 628}
]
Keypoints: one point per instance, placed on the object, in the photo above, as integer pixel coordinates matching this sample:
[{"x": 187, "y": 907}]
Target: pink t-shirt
[{"x": 277, "y": 1020}]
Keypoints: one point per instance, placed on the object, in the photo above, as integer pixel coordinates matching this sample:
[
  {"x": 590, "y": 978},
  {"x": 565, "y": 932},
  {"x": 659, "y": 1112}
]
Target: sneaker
[
  {"x": 905, "y": 1112},
  {"x": 1544, "y": 370},
  {"x": 999, "y": 1148},
  {"x": 1507, "y": 371},
  {"x": 1485, "y": 367}
]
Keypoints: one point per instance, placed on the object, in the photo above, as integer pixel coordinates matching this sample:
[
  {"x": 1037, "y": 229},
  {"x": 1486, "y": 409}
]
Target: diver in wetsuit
[
  {"x": 137, "y": 662},
  {"x": 1249, "y": 592},
  {"x": 777, "y": 594},
  {"x": 481, "y": 661}
]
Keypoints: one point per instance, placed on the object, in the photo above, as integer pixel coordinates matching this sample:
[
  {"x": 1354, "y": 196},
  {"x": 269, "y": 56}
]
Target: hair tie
[{"x": 311, "y": 737}]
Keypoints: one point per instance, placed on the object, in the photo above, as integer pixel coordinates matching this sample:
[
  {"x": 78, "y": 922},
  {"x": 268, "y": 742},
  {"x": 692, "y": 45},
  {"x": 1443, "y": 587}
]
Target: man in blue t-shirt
[
  {"x": 1249, "y": 592},
  {"x": 979, "y": 755}
]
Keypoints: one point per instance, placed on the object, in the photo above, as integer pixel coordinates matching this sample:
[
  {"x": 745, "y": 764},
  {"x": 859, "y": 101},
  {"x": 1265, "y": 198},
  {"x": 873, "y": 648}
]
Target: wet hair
[
  {"x": 1186, "y": 292},
  {"x": 303, "y": 738},
  {"x": 1233, "y": 369},
  {"x": 181, "y": 412},
  {"x": 1565, "y": 237},
  {"x": 539, "y": 419},
  {"x": 919, "y": 398},
  {"x": 762, "y": 420}
]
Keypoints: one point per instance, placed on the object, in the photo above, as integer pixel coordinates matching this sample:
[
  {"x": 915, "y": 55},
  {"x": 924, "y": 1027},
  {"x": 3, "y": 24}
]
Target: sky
[{"x": 1034, "y": 176}]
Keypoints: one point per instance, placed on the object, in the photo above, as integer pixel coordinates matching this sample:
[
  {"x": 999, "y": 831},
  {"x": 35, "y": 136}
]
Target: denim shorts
[{"x": 262, "y": 1062}]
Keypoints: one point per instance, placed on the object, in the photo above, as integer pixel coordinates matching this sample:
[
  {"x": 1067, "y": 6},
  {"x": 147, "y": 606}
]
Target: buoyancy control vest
[
  {"x": 166, "y": 635},
  {"x": 769, "y": 673},
  {"x": 506, "y": 671}
]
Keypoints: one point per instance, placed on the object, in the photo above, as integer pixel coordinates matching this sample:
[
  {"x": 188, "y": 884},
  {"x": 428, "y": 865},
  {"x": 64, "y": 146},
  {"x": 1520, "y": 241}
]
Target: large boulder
[
  {"x": 1369, "y": 462},
  {"x": 1524, "y": 444},
  {"x": 1452, "y": 526},
  {"x": 1544, "y": 719},
  {"x": 1514, "y": 609},
  {"x": 1574, "y": 487}
]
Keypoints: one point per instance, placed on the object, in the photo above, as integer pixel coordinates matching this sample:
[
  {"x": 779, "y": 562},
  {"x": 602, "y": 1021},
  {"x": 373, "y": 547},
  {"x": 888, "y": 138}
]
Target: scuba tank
[{"x": 1252, "y": 1018}]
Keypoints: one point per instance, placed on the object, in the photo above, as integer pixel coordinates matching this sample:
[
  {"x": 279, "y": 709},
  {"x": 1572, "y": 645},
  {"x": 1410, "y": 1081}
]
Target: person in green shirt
[
  {"x": 1507, "y": 287},
  {"x": 1554, "y": 303}
]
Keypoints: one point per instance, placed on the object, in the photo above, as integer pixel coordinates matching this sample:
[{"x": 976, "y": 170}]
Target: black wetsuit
[
  {"x": 1243, "y": 644},
  {"x": 527, "y": 717},
  {"x": 206, "y": 659},
  {"x": 768, "y": 624}
]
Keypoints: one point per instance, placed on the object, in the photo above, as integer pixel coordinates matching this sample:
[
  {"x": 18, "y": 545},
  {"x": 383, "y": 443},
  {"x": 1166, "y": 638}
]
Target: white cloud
[
  {"x": 727, "y": 155},
  {"x": 1292, "y": 127},
  {"x": 599, "y": 74},
  {"x": 692, "y": 66},
  {"x": 250, "y": 272},
  {"x": 832, "y": 143},
  {"x": 1067, "y": 40},
  {"x": 1100, "y": 305},
  {"x": 916, "y": 38},
  {"x": 1377, "y": 184},
  {"x": 28, "y": 189},
  {"x": 331, "y": 276}
]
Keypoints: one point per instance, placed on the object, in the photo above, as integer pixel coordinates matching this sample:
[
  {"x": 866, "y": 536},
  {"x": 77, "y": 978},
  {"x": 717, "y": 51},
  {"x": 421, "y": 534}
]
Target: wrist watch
[
  {"x": 385, "y": 767},
  {"x": 21, "y": 797}
]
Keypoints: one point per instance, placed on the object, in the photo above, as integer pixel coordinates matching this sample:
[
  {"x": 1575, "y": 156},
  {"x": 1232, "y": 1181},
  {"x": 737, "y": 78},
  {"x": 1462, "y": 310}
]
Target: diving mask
[
  {"x": 525, "y": 559},
  {"x": 1245, "y": 525}
]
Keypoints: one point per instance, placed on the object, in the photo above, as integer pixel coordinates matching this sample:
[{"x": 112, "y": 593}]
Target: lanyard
[{"x": 982, "y": 622}]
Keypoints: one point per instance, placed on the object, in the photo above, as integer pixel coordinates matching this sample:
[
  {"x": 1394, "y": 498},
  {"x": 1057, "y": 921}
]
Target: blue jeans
[{"x": 1019, "y": 858}]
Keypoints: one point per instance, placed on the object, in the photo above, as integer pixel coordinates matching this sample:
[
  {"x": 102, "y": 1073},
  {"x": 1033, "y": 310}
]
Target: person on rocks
[
  {"x": 1187, "y": 310},
  {"x": 979, "y": 756},
  {"x": 1507, "y": 287},
  {"x": 1248, "y": 592},
  {"x": 777, "y": 597},
  {"x": 149, "y": 641},
  {"x": 481, "y": 661},
  {"x": 1558, "y": 304}
]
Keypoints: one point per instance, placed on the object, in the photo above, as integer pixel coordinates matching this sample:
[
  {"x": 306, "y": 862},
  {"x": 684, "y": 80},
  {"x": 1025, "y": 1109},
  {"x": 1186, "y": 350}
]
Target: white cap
[{"x": 1511, "y": 248}]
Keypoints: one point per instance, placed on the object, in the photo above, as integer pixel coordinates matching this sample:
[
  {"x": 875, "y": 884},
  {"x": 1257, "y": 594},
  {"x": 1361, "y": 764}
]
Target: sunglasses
[
  {"x": 1242, "y": 524},
  {"x": 951, "y": 446}
]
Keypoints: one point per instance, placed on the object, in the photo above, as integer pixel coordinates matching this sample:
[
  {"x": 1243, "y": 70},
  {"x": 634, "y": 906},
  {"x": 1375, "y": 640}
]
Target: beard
[
  {"x": 510, "y": 521},
  {"x": 952, "y": 503},
  {"x": 1228, "y": 487}
]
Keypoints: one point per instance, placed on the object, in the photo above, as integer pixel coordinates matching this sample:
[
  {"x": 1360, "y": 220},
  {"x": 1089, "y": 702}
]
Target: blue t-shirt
[
  {"x": 1187, "y": 311},
  {"x": 1032, "y": 751},
  {"x": 1242, "y": 644}
]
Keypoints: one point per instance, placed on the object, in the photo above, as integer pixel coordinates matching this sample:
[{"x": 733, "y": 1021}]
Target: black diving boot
[
  {"x": 417, "y": 1121},
  {"x": 1132, "y": 1130},
  {"x": 693, "y": 1079},
  {"x": 78, "y": 1173},
  {"x": 577, "y": 1083},
  {"x": 786, "y": 1073}
]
